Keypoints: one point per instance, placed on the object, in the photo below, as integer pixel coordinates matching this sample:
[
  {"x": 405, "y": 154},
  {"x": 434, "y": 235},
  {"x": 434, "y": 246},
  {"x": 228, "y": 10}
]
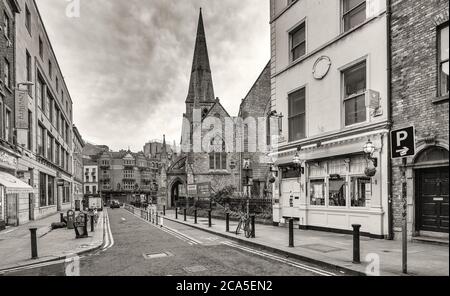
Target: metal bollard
[
  {"x": 34, "y": 249},
  {"x": 185, "y": 213},
  {"x": 164, "y": 210},
  {"x": 157, "y": 217},
  {"x": 356, "y": 244},
  {"x": 291, "y": 233},
  {"x": 176, "y": 213},
  {"x": 209, "y": 218},
  {"x": 92, "y": 223},
  {"x": 61, "y": 215},
  {"x": 85, "y": 223},
  {"x": 227, "y": 220},
  {"x": 195, "y": 216},
  {"x": 253, "y": 226}
]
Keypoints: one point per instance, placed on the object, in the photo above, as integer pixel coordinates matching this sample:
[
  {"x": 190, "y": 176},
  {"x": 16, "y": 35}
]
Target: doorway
[{"x": 432, "y": 207}]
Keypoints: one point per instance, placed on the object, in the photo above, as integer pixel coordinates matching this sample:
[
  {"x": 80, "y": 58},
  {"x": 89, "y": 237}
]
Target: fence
[{"x": 255, "y": 206}]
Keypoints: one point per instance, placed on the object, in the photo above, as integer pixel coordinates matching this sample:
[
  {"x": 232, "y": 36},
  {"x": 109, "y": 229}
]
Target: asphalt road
[{"x": 142, "y": 249}]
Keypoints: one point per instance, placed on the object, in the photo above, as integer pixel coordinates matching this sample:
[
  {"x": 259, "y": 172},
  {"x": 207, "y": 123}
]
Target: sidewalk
[
  {"x": 15, "y": 245},
  {"x": 336, "y": 250}
]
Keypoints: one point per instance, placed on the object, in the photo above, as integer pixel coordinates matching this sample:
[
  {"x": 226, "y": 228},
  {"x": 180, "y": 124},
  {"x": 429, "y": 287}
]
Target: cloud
[{"x": 127, "y": 63}]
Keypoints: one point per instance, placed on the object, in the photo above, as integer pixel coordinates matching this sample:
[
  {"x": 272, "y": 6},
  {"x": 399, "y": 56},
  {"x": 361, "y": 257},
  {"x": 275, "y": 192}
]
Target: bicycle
[{"x": 245, "y": 221}]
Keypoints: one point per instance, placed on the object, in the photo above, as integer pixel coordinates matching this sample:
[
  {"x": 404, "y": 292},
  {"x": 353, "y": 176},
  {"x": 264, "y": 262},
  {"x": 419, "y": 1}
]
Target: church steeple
[{"x": 201, "y": 88}]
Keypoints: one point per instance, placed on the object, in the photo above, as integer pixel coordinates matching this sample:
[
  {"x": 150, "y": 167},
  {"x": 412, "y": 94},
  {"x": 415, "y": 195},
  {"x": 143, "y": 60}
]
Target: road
[{"x": 141, "y": 249}]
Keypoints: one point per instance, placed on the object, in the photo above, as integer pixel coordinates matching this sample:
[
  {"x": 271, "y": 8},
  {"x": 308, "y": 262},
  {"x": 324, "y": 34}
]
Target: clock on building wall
[{"x": 321, "y": 67}]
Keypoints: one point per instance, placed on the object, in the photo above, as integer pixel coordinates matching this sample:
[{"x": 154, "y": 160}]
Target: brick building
[
  {"x": 128, "y": 176},
  {"x": 420, "y": 97},
  {"x": 78, "y": 175}
]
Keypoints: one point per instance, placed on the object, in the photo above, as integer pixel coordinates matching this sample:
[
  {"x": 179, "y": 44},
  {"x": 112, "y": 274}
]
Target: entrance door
[
  {"x": 432, "y": 202},
  {"x": 11, "y": 212}
]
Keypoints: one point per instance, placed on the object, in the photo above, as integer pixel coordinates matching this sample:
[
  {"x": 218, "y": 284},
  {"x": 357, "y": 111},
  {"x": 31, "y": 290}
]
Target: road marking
[
  {"x": 181, "y": 236},
  {"x": 280, "y": 259}
]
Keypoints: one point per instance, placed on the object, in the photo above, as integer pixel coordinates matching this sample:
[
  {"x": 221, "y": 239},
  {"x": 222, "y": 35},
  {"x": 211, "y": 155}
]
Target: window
[
  {"x": 298, "y": 42},
  {"x": 51, "y": 191},
  {"x": 317, "y": 192},
  {"x": 66, "y": 195},
  {"x": 27, "y": 19},
  {"x": 360, "y": 191},
  {"x": 217, "y": 156},
  {"x": 6, "y": 25},
  {"x": 58, "y": 119},
  {"x": 443, "y": 62},
  {"x": 57, "y": 153},
  {"x": 297, "y": 115},
  {"x": 40, "y": 91},
  {"x": 42, "y": 190},
  {"x": 7, "y": 130},
  {"x": 2, "y": 130},
  {"x": 50, "y": 147},
  {"x": 57, "y": 84},
  {"x": 41, "y": 141},
  {"x": 30, "y": 130},
  {"x": 354, "y": 94},
  {"x": 50, "y": 68},
  {"x": 8, "y": 134},
  {"x": 354, "y": 13},
  {"x": 94, "y": 189},
  {"x": 47, "y": 105},
  {"x": 337, "y": 192},
  {"x": 41, "y": 48},
  {"x": 29, "y": 71},
  {"x": 7, "y": 74}
]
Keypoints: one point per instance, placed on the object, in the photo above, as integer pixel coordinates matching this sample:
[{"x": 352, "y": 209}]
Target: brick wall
[{"x": 415, "y": 82}]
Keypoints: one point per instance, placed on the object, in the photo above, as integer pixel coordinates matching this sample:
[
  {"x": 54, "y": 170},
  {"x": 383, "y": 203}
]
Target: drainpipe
[{"x": 389, "y": 116}]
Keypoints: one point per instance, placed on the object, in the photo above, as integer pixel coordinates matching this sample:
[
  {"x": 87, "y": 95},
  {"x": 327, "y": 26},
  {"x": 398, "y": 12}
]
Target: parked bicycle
[{"x": 245, "y": 224}]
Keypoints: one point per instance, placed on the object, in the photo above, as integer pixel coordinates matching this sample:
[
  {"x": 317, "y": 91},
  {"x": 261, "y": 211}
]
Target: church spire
[{"x": 201, "y": 85}]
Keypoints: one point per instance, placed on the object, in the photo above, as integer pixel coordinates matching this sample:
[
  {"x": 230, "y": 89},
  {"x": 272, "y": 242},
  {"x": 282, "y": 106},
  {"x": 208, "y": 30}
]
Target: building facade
[
  {"x": 420, "y": 97},
  {"x": 91, "y": 180},
  {"x": 128, "y": 177},
  {"x": 45, "y": 133},
  {"x": 329, "y": 84},
  {"x": 78, "y": 173}
]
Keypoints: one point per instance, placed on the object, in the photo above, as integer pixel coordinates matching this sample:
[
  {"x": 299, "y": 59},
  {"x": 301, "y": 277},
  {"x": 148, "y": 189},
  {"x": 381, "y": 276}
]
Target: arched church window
[{"x": 217, "y": 155}]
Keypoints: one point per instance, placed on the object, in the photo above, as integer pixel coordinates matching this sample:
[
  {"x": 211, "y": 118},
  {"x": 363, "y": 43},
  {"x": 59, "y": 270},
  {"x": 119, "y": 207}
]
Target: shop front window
[
  {"x": 337, "y": 193},
  {"x": 361, "y": 191},
  {"x": 317, "y": 192}
]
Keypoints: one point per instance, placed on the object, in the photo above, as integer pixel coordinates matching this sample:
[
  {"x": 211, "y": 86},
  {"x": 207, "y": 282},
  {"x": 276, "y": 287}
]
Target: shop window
[
  {"x": 337, "y": 192},
  {"x": 51, "y": 191},
  {"x": 361, "y": 191},
  {"x": 42, "y": 190},
  {"x": 317, "y": 192},
  {"x": 443, "y": 61}
]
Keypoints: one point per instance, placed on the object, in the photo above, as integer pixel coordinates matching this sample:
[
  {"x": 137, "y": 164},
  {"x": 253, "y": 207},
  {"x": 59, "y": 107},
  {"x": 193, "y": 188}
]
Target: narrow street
[{"x": 141, "y": 249}]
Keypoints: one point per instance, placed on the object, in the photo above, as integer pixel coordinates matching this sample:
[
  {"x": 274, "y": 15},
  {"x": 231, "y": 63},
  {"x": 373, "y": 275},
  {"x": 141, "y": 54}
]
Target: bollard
[
  {"x": 164, "y": 210},
  {"x": 356, "y": 244},
  {"x": 34, "y": 249},
  {"x": 185, "y": 213},
  {"x": 227, "y": 219},
  {"x": 209, "y": 218},
  {"x": 157, "y": 217},
  {"x": 61, "y": 217},
  {"x": 253, "y": 226},
  {"x": 92, "y": 223},
  {"x": 195, "y": 216},
  {"x": 176, "y": 213},
  {"x": 291, "y": 233},
  {"x": 85, "y": 223}
]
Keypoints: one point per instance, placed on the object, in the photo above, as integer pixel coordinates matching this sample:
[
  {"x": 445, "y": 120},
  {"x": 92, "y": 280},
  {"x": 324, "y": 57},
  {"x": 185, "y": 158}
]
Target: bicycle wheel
[
  {"x": 238, "y": 229},
  {"x": 248, "y": 229}
]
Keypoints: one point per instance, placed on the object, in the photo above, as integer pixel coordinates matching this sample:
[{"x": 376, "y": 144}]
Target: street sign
[
  {"x": 192, "y": 190},
  {"x": 403, "y": 142}
]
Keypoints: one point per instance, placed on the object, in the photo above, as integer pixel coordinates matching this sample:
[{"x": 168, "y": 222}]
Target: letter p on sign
[{"x": 403, "y": 142}]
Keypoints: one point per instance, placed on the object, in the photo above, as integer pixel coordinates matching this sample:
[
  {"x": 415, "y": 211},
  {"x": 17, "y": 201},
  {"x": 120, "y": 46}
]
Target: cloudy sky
[{"x": 127, "y": 63}]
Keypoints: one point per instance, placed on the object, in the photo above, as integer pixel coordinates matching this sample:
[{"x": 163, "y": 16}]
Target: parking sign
[{"x": 403, "y": 142}]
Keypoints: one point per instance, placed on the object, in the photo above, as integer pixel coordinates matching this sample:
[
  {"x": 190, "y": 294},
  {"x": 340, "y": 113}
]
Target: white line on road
[{"x": 280, "y": 259}]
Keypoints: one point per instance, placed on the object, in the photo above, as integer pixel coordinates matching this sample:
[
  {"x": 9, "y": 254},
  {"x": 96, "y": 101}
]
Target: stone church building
[{"x": 212, "y": 141}]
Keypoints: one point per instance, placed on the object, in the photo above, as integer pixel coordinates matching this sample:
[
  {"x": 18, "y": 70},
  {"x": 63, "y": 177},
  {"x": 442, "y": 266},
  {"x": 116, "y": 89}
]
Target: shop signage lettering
[{"x": 21, "y": 109}]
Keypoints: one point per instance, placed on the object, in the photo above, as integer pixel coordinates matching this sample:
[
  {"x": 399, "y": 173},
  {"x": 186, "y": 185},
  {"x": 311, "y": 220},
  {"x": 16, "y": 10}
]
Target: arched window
[
  {"x": 204, "y": 113},
  {"x": 217, "y": 155},
  {"x": 432, "y": 154}
]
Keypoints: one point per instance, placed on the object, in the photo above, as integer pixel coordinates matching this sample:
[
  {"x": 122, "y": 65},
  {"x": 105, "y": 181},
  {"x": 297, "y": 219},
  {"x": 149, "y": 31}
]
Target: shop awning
[{"x": 13, "y": 185}]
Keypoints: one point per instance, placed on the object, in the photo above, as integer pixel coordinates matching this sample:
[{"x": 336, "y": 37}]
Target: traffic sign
[{"x": 403, "y": 142}]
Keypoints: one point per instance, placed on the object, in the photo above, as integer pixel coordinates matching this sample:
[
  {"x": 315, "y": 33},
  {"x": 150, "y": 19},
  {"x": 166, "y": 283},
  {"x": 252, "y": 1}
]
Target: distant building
[
  {"x": 154, "y": 149},
  {"x": 78, "y": 175},
  {"x": 91, "y": 181},
  {"x": 128, "y": 176}
]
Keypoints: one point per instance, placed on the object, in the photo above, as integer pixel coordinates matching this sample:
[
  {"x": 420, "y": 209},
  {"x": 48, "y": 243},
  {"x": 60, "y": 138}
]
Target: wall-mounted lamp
[
  {"x": 298, "y": 162},
  {"x": 369, "y": 150}
]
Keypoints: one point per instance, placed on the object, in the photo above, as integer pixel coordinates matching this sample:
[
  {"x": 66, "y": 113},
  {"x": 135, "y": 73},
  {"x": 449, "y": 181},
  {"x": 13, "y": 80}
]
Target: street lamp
[
  {"x": 298, "y": 162},
  {"x": 369, "y": 150}
]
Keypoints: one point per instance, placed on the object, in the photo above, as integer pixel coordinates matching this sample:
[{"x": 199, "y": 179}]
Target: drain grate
[
  {"x": 151, "y": 256},
  {"x": 195, "y": 269}
]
